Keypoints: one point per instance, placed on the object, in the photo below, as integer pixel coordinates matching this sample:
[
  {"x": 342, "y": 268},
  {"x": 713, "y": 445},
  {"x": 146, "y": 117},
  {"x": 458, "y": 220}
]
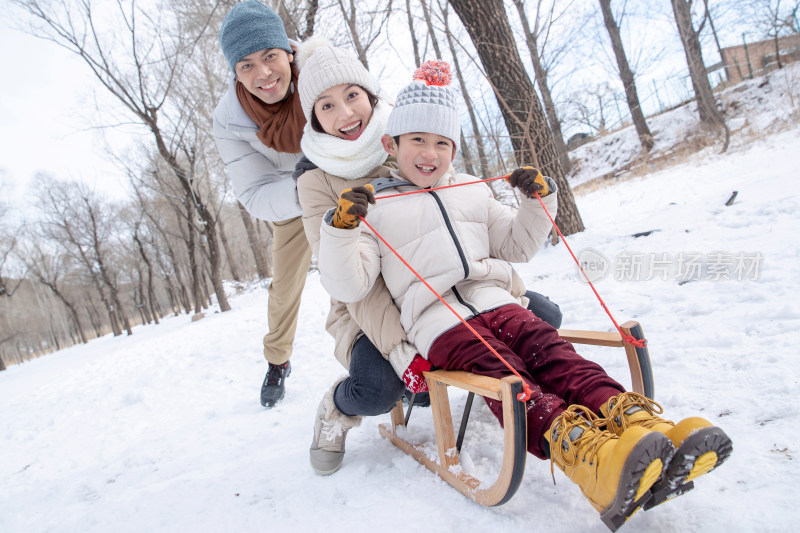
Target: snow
[{"x": 162, "y": 431}]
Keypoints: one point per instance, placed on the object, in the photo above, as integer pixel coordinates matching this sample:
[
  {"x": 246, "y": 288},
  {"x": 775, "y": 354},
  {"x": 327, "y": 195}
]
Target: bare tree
[
  {"x": 488, "y": 26},
  {"x": 363, "y": 31},
  {"x": 413, "y": 34},
  {"x": 532, "y": 37},
  {"x": 142, "y": 77},
  {"x": 706, "y": 103},
  {"x": 74, "y": 219},
  {"x": 8, "y": 240},
  {"x": 293, "y": 12},
  {"x": 626, "y": 76},
  {"x": 56, "y": 272}
]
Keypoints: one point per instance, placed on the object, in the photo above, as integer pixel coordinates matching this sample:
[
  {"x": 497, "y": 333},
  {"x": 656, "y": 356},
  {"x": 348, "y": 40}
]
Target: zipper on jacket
[
  {"x": 464, "y": 302},
  {"x": 452, "y": 234},
  {"x": 461, "y": 254}
]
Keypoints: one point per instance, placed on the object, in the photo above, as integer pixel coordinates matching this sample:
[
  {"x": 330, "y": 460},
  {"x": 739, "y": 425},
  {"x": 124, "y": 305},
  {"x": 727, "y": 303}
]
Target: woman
[{"x": 345, "y": 121}]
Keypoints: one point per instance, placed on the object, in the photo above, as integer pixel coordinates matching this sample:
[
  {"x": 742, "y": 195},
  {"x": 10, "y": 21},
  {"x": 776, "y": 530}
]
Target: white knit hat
[
  {"x": 427, "y": 105},
  {"x": 323, "y": 66}
]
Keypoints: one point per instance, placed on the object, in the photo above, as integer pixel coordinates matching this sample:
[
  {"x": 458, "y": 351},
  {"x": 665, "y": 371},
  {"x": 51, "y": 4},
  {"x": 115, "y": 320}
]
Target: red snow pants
[{"x": 556, "y": 374}]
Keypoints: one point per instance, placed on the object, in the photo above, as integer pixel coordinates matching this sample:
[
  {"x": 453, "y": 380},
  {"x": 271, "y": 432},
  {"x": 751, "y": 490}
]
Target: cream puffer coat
[
  {"x": 376, "y": 314},
  {"x": 261, "y": 176},
  {"x": 459, "y": 239}
]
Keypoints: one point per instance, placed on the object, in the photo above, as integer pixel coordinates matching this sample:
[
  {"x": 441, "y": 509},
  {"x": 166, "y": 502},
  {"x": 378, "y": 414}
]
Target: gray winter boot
[{"x": 330, "y": 430}]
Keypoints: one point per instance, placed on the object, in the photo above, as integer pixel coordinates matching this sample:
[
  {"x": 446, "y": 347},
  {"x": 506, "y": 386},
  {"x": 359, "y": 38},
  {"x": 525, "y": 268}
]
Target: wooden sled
[{"x": 514, "y": 421}]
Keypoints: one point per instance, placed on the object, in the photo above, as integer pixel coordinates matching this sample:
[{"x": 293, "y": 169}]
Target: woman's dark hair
[{"x": 316, "y": 126}]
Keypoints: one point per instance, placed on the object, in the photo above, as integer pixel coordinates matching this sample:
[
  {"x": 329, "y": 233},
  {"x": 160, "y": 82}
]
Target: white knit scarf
[{"x": 348, "y": 159}]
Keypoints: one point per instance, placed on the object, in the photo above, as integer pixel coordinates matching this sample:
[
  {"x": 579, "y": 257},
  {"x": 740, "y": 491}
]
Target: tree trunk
[
  {"x": 488, "y": 26},
  {"x": 150, "y": 290},
  {"x": 349, "y": 14},
  {"x": 414, "y": 42},
  {"x": 256, "y": 246},
  {"x": 231, "y": 261},
  {"x": 192, "y": 250},
  {"x": 626, "y": 76},
  {"x": 94, "y": 319},
  {"x": 476, "y": 132},
  {"x": 541, "y": 81},
  {"x": 431, "y": 32},
  {"x": 706, "y": 104}
]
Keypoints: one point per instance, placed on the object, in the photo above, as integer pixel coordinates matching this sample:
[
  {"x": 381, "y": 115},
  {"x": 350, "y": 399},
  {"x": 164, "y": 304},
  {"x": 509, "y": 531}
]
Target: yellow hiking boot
[
  {"x": 614, "y": 473},
  {"x": 700, "y": 446}
]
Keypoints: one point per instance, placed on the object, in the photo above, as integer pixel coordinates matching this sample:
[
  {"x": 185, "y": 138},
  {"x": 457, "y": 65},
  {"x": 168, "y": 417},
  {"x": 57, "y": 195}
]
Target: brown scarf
[{"x": 281, "y": 124}]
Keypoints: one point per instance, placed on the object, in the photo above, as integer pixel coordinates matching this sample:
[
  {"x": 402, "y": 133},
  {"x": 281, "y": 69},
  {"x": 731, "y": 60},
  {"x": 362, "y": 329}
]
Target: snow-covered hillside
[{"x": 162, "y": 431}]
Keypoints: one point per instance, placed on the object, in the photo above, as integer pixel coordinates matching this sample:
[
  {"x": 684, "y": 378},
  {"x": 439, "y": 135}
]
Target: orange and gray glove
[
  {"x": 529, "y": 181},
  {"x": 353, "y": 203}
]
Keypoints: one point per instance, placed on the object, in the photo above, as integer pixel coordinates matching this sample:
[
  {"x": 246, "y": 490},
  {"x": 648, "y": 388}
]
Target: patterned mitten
[
  {"x": 530, "y": 181},
  {"x": 353, "y": 203}
]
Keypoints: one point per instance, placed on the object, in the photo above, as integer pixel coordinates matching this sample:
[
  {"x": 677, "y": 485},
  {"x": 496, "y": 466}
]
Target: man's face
[
  {"x": 266, "y": 73},
  {"x": 423, "y": 158}
]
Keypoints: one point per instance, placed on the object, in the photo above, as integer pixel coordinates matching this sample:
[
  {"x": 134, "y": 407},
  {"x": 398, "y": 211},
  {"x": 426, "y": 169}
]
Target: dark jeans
[{"x": 373, "y": 387}]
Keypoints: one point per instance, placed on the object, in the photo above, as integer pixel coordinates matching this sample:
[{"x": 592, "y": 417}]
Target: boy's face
[
  {"x": 267, "y": 74},
  {"x": 423, "y": 158}
]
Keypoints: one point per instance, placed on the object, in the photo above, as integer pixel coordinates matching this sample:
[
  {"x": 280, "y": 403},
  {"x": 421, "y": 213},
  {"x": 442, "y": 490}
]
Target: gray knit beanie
[
  {"x": 249, "y": 27},
  {"x": 323, "y": 66},
  {"x": 427, "y": 105}
]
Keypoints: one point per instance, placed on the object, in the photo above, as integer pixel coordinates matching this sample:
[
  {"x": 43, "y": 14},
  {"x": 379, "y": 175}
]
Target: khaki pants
[{"x": 291, "y": 257}]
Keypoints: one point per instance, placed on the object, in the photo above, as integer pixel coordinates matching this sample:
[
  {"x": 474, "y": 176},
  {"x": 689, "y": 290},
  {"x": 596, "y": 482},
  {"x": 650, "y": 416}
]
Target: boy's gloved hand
[
  {"x": 353, "y": 203},
  {"x": 409, "y": 366},
  {"x": 530, "y": 181},
  {"x": 413, "y": 378}
]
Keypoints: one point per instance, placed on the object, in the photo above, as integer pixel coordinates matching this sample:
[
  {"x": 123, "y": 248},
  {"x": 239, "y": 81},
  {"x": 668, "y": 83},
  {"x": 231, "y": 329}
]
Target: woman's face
[{"x": 343, "y": 111}]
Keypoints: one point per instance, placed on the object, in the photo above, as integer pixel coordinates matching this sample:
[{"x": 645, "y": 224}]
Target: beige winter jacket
[
  {"x": 459, "y": 239},
  {"x": 376, "y": 314}
]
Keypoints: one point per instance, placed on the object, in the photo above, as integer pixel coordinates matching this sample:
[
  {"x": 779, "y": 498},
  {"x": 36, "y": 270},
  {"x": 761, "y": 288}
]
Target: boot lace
[
  {"x": 620, "y": 405},
  {"x": 275, "y": 373},
  {"x": 332, "y": 430},
  {"x": 583, "y": 447}
]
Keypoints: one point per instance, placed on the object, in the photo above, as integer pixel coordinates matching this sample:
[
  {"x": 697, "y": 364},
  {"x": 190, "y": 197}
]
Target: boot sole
[
  {"x": 330, "y": 469},
  {"x": 703, "y": 451},
  {"x": 645, "y": 465}
]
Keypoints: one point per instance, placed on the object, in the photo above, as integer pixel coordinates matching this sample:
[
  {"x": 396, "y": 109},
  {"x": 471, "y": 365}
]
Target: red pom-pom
[{"x": 434, "y": 72}]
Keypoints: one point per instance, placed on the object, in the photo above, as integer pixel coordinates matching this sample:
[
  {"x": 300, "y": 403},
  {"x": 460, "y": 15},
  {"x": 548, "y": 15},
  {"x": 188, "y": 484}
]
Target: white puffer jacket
[
  {"x": 459, "y": 240},
  {"x": 261, "y": 176}
]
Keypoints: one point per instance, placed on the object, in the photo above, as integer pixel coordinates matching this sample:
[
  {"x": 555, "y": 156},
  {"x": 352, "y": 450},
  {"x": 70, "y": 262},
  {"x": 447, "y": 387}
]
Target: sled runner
[{"x": 514, "y": 422}]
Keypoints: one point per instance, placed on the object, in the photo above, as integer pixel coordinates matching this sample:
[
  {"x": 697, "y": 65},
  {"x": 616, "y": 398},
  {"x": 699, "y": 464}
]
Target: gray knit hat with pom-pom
[{"x": 427, "y": 104}]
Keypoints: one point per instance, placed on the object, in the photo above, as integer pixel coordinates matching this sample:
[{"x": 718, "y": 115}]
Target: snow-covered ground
[{"x": 162, "y": 431}]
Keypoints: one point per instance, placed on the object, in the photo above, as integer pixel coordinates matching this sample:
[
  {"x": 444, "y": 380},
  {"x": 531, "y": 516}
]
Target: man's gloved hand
[
  {"x": 413, "y": 378},
  {"x": 530, "y": 181},
  {"x": 353, "y": 203}
]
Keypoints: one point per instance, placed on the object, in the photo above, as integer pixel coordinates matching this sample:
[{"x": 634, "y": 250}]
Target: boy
[{"x": 460, "y": 241}]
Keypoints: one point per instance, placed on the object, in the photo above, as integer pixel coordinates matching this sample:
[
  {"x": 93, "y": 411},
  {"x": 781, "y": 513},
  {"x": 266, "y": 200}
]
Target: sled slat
[
  {"x": 514, "y": 436},
  {"x": 514, "y": 413},
  {"x": 443, "y": 423},
  {"x": 594, "y": 338},
  {"x": 483, "y": 385}
]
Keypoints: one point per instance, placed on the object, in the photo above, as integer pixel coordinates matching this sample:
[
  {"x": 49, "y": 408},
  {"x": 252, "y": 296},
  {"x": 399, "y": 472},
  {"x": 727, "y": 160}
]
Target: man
[{"x": 258, "y": 125}]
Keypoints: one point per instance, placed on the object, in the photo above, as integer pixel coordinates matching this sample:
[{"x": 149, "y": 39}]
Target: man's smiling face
[{"x": 267, "y": 74}]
